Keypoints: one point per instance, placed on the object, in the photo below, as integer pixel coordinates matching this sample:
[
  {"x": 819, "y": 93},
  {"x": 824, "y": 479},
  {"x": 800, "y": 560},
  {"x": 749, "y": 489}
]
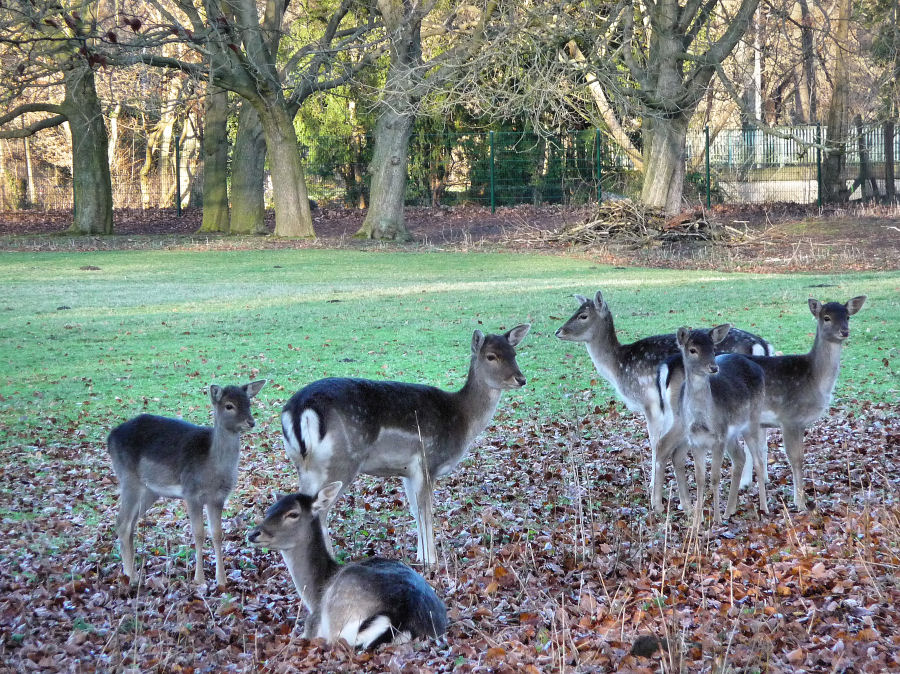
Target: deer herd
[{"x": 699, "y": 390}]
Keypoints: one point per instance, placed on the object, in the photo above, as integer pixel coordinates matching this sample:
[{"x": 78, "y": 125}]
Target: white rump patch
[
  {"x": 760, "y": 350},
  {"x": 309, "y": 429},
  {"x": 291, "y": 446},
  {"x": 353, "y": 636}
]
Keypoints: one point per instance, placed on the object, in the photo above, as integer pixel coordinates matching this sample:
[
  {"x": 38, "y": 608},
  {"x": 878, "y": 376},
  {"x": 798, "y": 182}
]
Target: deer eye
[
  {"x": 582, "y": 317},
  {"x": 491, "y": 357},
  {"x": 826, "y": 318},
  {"x": 291, "y": 516},
  {"x": 692, "y": 351},
  {"x": 229, "y": 407}
]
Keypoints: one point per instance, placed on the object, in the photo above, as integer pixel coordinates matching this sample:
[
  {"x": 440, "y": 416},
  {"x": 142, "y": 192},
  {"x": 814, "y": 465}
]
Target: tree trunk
[
  {"x": 215, "y": 161},
  {"x": 835, "y": 188},
  {"x": 664, "y": 156},
  {"x": 90, "y": 166},
  {"x": 292, "y": 212},
  {"x": 890, "y": 188},
  {"x": 384, "y": 219},
  {"x": 248, "y": 164},
  {"x": 806, "y": 83},
  {"x": 187, "y": 164},
  {"x": 387, "y": 193}
]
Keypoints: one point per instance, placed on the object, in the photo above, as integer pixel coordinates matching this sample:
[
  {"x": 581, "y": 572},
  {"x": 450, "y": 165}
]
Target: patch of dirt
[{"x": 779, "y": 237}]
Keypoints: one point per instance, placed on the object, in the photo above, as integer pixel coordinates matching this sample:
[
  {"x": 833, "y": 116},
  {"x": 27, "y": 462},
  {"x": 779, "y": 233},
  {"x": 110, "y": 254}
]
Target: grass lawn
[
  {"x": 131, "y": 331},
  {"x": 551, "y": 560}
]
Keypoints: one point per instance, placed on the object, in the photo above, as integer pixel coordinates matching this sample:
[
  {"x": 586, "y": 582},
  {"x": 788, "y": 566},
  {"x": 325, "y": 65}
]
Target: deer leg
[
  {"x": 793, "y": 445},
  {"x": 666, "y": 447},
  {"x": 738, "y": 461},
  {"x": 678, "y": 462},
  {"x": 654, "y": 425},
  {"x": 195, "y": 513},
  {"x": 419, "y": 494},
  {"x": 748, "y": 466},
  {"x": 715, "y": 480},
  {"x": 756, "y": 443},
  {"x": 134, "y": 501},
  {"x": 214, "y": 517},
  {"x": 700, "y": 452}
]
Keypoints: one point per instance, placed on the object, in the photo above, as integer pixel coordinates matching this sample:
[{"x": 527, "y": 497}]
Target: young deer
[
  {"x": 157, "y": 456},
  {"x": 366, "y": 603},
  {"x": 720, "y": 400},
  {"x": 336, "y": 428},
  {"x": 799, "y": 387},
  {"x": 632, "y": 368}
]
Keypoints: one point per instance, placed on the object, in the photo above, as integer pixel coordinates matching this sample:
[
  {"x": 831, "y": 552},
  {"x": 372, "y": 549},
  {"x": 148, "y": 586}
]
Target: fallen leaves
[{"x": 553, "y": 562}]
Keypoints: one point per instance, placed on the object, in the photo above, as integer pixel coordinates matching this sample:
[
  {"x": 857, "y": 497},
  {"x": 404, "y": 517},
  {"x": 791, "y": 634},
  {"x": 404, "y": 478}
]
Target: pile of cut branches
[{"x": 627, "y": 222}]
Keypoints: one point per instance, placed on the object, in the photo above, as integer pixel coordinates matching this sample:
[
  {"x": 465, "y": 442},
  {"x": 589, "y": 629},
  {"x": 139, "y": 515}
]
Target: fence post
[
  {"x": 706, "y": 135},
  {"x": 177, "y": 176},
  {"x": 819, "y": 163},
  {"x": 599, "y": 156},
  {"x": 493, "y": 203}
]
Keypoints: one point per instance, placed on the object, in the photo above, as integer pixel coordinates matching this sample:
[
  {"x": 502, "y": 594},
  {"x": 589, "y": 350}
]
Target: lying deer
[
  {"x": 157, "y": 456},
  {"x": 799, "y": 387},
  {"x": 336, "y": 428},
  {"x": 719, "y": 400},
  {"x": 632, "y": 368},
  {"x": 366, "y": 603}
]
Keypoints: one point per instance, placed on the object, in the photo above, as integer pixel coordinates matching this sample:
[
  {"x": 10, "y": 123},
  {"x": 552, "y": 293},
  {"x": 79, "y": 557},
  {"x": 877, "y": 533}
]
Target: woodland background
[{"x": 240, "y": 105}]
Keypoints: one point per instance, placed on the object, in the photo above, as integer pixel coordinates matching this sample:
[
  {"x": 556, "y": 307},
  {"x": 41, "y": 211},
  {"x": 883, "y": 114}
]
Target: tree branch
[{"x": 32, "y": 129}]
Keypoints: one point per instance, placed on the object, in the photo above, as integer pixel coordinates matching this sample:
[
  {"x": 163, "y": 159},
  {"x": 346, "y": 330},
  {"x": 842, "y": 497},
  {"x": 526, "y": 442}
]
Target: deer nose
[
  {"x": 253, "y": 535},
  {"x": 713, "y": 369},
  {"x": 845, "y": 332},
  {"x": 251, "y": 423},
  {"x": 521, "y": 381},
  {"x": 559, "y": 332}
]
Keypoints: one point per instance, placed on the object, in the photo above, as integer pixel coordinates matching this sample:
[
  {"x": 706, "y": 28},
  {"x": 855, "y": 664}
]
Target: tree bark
[
  {"x": 835, "y": 187},
  {"x": 292, "y": 213},
  {"x": 248, "y": 163},
  {"x": 90, "y": 166},
  {"x": 384, "y": 219},
  {"x": 387, "y": 194},
  {"x": 215, "y": 161},
  {"x": 890, "y": 188},
  {"x": 664, "y": 150}
]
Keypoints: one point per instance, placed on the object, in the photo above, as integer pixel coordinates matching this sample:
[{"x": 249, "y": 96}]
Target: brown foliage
[{"x": 550, "y": 561}]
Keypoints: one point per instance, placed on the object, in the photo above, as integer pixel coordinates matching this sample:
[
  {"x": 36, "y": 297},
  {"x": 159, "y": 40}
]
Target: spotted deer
[
  {"x": 336, "y": 428},
  {"x": 366, "y": 603},
  {"x": 719, "y": 400},
  {"x": 632, "y": 368},
  {"x": 156, "y": 457},
  {"x": 799, "y": 387}
]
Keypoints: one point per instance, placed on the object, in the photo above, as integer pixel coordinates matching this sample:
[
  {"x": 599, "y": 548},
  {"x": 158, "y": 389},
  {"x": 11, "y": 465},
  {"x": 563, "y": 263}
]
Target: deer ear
[
  {"x": 682, "y": 335},
  {"x": 326, "y": 497},
  {"x": 720, "y": 332},
  {"x": 254, "y": 387},
  {"x": 599, "y": 302},
  {"x": 215, "y": 392},
  {"x": 815, "y": 306},
  {"x": 855, "y": 304},
  {"x": 581, "y": 298},
  {"x": 517, "y": 334},
  {"x": 477, "y": 341}
]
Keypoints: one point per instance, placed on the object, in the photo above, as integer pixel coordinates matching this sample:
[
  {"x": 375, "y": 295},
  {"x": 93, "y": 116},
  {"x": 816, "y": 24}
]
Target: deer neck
[
  {"x": 477, "y": 402},
  {"x": 697, "y": 396},
  {"x": 825, "y": 361},
  {"x": 604, "y": 351},
  {"x": 311, "y": 567},
  {"x": 225, "y": 443}
]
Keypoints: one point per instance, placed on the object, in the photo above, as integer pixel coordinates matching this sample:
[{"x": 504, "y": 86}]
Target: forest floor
[
  {"x": 780, "y": 237},
  {"x": 550, "y": 558}
]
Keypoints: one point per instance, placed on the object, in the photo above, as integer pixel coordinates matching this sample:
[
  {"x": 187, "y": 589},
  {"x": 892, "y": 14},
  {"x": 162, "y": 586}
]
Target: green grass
[{"x": 147, "y": 331}]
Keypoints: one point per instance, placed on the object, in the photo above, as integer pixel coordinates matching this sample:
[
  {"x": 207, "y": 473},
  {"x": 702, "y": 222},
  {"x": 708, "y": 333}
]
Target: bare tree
[
  {"x": 409, "y": 80},
  {"x": 47, "y": 55},
  {"x": 231, "y": 32}
]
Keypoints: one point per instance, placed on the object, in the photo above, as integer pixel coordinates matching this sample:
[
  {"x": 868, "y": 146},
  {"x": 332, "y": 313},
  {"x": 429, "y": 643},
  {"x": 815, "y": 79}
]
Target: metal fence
[{"x": 497, "y": 168}]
